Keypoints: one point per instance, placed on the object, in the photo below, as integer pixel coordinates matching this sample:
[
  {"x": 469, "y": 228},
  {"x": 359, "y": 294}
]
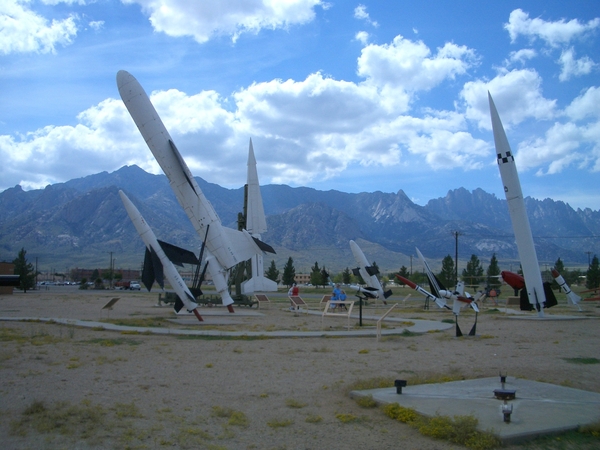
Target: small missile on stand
[
  {"x": 160, "y": 261},
  {"x": 438, "y": 301},
  {"x": 369, "y": 274},
  {"x": 571, "y": 296}
]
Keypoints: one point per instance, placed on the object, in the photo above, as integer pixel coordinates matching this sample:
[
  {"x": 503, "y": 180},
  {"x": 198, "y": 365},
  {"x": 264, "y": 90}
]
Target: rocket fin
[
  {"x": 178, "y": 255},
  {"x": 148, "y": 271}
]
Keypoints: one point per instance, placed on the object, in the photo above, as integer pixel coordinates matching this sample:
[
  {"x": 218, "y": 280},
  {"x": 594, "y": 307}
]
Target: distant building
[
  {"x": 302, "y": 278},
  {"x": 6, "y": 269}
]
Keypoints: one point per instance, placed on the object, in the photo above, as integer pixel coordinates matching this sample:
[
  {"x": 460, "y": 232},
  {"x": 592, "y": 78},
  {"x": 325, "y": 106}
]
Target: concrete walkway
[{"x": 418, "y": 326}]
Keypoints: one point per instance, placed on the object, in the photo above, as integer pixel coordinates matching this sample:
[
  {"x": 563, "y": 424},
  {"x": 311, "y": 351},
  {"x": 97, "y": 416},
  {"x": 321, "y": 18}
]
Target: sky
[{"x": 356, "y": 96}]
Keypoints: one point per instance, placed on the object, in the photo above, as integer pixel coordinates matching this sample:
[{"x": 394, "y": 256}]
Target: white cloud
[
  {"x": 203, "y": 20},
  {"x": 403, "y": 67},
  {"x": 574, "y": 67},
  {"x": 586, "y": 105},
  {"x": 360, "y": 12},
  {"x": 22, "y": 30},
  {"x": 362, "y": 37},
  {"x": 520, "y": 56},
  {"x": 517, "y": 95},
  {"x": 554, "y": 34}
]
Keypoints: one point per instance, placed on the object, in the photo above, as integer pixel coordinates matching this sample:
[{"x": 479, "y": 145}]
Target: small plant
[
  {"x": 401, "y": 413},
  {"x": 208, "y": 366},
  {"x": 292, "y": 403},
  {"x": 313, "y": 419},
  {"x": 366, "y": 401},
  {"x": 363, "y": 351},
  {"x": 238, "y": 419},
  {"x": 346, "y": 418},
  {"x": 280, "y": 423},
  {"x": 127, "y": 410}
]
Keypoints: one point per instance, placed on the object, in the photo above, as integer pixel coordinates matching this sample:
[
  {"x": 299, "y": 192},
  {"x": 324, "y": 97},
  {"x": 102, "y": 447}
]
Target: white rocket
[
  {"x": 369, "y": 274},
  {"x": 225, "y": 247},
  {"x": 518, "y": 214},
  {"x": 256, "y": 224},
  {"x": 158, "y": 257},
  {"x": 571, "y": 296}
]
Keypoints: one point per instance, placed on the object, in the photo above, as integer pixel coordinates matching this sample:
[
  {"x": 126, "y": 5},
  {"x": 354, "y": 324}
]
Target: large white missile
[
  {"x": 153, "y": 246},
  {"x": 369, "y": 274},
  {"x": 518, "y": 214},
  {"x": 256, "y": 223},
  {"x": 226, "y": 246}
]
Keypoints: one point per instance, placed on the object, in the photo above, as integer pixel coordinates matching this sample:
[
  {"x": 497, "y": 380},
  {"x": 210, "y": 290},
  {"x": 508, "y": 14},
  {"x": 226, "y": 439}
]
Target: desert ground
[{"x": 66, "y": 386}]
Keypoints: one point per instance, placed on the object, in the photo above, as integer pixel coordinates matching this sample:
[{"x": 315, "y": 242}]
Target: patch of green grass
[
  {"x": 139, "y": 322},
  {"x": 313, "y": 419},
  {"x": 366, "y": 401},
  {"x": 292, "y": 403},
  {"x": 276, "y": 423},
  {"x": 236, "y": 418},
  {"x": 347, "y": 418},
  {"x": 583, "y": 360},
  {"x": 63, "y": 418},
  {"x": 103, "y": 342},
  {"x": 123, "y": 410},
  {"x": 460, "y": 430},
  {"x": 371, "y": 383}
]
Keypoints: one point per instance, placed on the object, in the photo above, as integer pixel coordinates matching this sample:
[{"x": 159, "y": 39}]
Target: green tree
[
  {"x": 289, "y": 273},
  {"x": 492, "y": 273},
  {"x": 324, "y": 277},
  {"x": 592, "y": 276},
  {"x": 446, "y": 276},
  {"x": 272, "y": 272},
  {"x": 315, "y": 274},
  {"x": 403, "y": 272},
  {"x": 25, "y": 271},
  {"x": 473, "y": 272},
  {"x": 346, "y": 276}
]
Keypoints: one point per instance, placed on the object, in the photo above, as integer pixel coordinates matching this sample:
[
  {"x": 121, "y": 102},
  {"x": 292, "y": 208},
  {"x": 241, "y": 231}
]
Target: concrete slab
[{"x": 538, "y": 408}]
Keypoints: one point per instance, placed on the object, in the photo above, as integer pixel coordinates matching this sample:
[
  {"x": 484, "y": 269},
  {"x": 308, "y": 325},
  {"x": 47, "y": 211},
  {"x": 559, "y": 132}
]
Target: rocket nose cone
[
  {"x": 555, "y": 273},
  {"x": 123, "y": 77}
]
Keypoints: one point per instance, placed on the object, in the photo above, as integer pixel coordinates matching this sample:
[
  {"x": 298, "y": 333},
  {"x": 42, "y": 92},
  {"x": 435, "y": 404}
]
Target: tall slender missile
[
  {"x": 518, "y": 214},
  {"x": 256, "y": 223},
  {"x": 225, "y": 247},
  {"x": 157, "y": 253},
  {"x": 369, "y": 274},
  {"x": 572, "y": 296}
]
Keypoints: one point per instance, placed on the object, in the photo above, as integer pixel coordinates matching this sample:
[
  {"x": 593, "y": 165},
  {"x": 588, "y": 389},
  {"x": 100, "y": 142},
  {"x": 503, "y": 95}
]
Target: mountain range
[{"x": 82, "y": 223}]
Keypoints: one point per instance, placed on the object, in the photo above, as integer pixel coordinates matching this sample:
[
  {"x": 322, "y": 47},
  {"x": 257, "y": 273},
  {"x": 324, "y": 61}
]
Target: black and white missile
[
  {"x": 518, "y": 214},
  {"x": 156, "y": 257},
  {"x": 572, "y": 297},
  {"x": 368, "y": 273},
  {"x": 224, "y": 247}
]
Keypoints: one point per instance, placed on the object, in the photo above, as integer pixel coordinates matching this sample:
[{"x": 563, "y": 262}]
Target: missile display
[
  {"x": 225, "y": 247},
  {"x": 518, "y": 214},
  {"x": 158, "y": 257},
  {"x": 256, "y": 223},
  {"x": 369, "y": 274},
  {"x": 438, "y": 301},
  {"x": 571, "y": 296}
]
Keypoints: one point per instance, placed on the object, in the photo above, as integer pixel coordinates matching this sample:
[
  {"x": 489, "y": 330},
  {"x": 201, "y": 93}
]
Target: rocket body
[
  {"x": 518, "y": 213},
  {"x": 572, "y": 296},
  {"x": 149, "y": 238},
  {"x": 256, "y": 223}
]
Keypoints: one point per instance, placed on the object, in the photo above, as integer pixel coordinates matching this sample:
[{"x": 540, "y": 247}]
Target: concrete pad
[{"x": 538, "y": 408}]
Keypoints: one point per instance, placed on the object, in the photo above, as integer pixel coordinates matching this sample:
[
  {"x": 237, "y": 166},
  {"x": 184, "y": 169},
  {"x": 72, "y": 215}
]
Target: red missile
[{"x": 514, "y": 280}]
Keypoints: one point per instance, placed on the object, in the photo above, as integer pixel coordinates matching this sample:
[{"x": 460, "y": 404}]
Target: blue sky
[{"x": 354, "y": 96}]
